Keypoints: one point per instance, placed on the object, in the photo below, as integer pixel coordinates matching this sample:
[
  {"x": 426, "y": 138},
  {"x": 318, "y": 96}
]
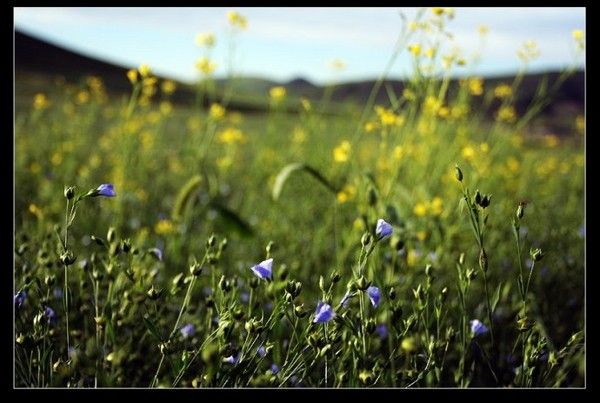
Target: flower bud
[
  {"x": 478, "y": 197},
  {"x": 521, "y": 210},
  {"x": 335, "y": 277},
  {"x": 67, "y": 258},
  {"x": 212, "y": 241},
  {"x": 195, "y": 269},
  {"x": 154, "y": 293},
  {"x": 485, "y": 201},
  {"x": 270, "y": 247},
  {"x": 69, "y": 192},
  {"x": 483, "y": 260},
  {"x": 444, "y": 294},
  {"x": 366, "y": 239},
  {"x": 363, "y": 283},
  {"x": 392, "y": 293},
  {"x": 50, "y": 280},
  {"x": 536, "y": 254},
  {"x": 461, "y": 259},
  {"x": 458, "y": 173}
]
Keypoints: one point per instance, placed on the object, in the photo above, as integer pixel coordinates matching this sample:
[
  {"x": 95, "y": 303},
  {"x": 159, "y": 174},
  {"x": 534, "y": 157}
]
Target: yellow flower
[
  {"x": 476, "y": 86},
  {"x": 468, "y": 153},
  {"x": 484, "y": 147},
  {"x": 164, "y": 227},
  {"x": 388, "y": 117},
  {"x": 503, "y": 91},
  {"x": 421, "y": 209},
  {"x": 168, "y": 87},
  {"x": 205, "y": 39},
  {"x": 145, "y": 71},
  {"x": 580, "y": 124},
  {"x": 40, "y": 101},
  {"x": 437, "y": 206},
  {"x": 35, "y": 168},
  {"x": 421, "y": 235},
  {"x": 413, "y": 26},
  {"x": 347, "y": 193},
  {"x": 56, "y": 158},
  {"x": 217, "y": 112},
  {"x": 408, "y": 344},
  {"x": 412, "y": 257},
  {"x": 205, "y": 66},
  {"x": 444, "y": 112},
  {"x": 437, "y": 10},
  {"x": 224, "y": 163},
  {"x": 83, "y": 97},
  {"x": 415, "y": 49},
  {"x": 431, "y": 105},
  {"x": 132, "y": 75},
  {"x": 341, "y": 153},
  {"x": 459, "y": 111},
  {"x": 36, "y": 211},
  {"x": 506, "y": 114},
  {"x": 277, "y": 93},
  {"x": 237, "y": 20},
  {"x": 529, "y": 51},
  {"x": 578, "y": 35},
  {"x": 430, "y": 53},
  {"x": 483, "y": 30},
  {"x": 231, "y": 135},
  {"x": 358, "y": 225}
]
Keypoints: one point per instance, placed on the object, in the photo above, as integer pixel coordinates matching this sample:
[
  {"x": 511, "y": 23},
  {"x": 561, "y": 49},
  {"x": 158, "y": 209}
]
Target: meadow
[{"x": 432, "y": 241}]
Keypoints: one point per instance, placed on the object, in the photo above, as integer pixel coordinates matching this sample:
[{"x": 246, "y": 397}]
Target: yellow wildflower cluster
[
  {"x": 506, "y": 114},
  {"x": 168, "y": 87},
  {"x": 529, "y": 51},
  {"x": 434, "y": 208},
  {"x": 579, "y": 37},
  {"x": 388, "y": 118},
  {"x": 216, "y": 112},
  {"x": 237, "y": 20},
  {"x": 40, "y": 101},
  {"x": 502, "y": 91},
  {"x": 475, "y": 85},
  {"x": 341, "y": 153},
  {"x": 415, "y": 49}
]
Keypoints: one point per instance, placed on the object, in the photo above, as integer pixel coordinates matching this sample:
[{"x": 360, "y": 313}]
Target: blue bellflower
[
  {"x": 374, "y": 295},
  {"x": 232, "y": 359},
  {"x": 478, "y": 328},
  {"x": 188, "y": 330},
  {"x": 50, "y": 314},
  {"x": 324, "y": 313},
  {"x": 381, "y": 331},
  {"x": 261, "y": 351},
  {"x": 383, "y": 229},
  {"x": 20, "y": 298},
  {"x": 264, "y": 270},
  {"x": 106, "y": 190},
  {"x": 274, "y": 368}
]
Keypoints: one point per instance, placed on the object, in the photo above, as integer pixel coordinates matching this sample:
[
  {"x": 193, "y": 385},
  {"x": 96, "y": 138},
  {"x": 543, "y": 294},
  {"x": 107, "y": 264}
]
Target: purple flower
[
  {"x": 324, "y": 313},
  {"x": 261, "y": 351},
  {"x": 106, "y": 190},
  {"x": 50, "y": 314},
  {"x": 581, "y": 231},
  {"x": 478, "y": 328},
  {"x": 346, "y": 299},
  {"x": 57, "y": 292},
  {"x": 264, "y": 270},
  {"x": 20, "y": 298},
  {"x": 274, "y": 368},
  {"x": 232, "y": 359},
  {"x": 244, "y": 297},
  {"x": 157, "y": 253},
  {"x": 383, "y": 229},
  {"x": 374, "y": 295},
  {"x": 188, "y": 330},
  {"x": 382, "y": 331}
]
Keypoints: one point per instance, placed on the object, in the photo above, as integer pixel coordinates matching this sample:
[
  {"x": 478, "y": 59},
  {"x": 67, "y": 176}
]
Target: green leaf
[
  {"x": 496, "y": 297},
  {"x": 232, "y": 219},
  {"x": 284, "y": 174}
]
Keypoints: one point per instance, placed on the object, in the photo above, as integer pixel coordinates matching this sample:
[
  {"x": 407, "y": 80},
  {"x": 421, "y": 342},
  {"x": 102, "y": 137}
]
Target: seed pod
[
  {"x": 483, "y": 260},
  {"x": 536, "y": 254},
  {"x": 366, "y": 239},
  {"x": 458, "y": 173},
  {"x": 478, "y": 198},
  {"x": 69, "y": 192},
  {"x": 212, "y": 241},
  {"x": 363, "y": 283},
  {"x": 392, "y": 293},
  {"x": 521, "y": 210}
]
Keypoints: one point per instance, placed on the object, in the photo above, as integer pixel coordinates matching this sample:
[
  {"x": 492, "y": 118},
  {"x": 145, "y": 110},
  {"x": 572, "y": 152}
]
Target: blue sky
[{"x": 285, "y": 43}]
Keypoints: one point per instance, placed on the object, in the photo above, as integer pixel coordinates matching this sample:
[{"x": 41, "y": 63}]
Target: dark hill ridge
[{"x": 37, "y": 57}]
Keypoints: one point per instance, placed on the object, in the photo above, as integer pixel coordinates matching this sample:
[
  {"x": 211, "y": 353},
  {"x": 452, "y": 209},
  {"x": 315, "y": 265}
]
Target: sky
[{"x": 286, "y": 43}]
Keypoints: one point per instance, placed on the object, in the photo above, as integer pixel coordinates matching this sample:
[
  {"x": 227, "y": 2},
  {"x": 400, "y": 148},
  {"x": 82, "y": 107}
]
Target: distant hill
[{"x": 37, "y": 60}]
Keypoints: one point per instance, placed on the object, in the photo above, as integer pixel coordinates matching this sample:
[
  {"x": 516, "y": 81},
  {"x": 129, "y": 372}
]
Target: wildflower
[
  {"x": 188, "y": 330},
  {"x": 415, "y": 49},
  {"x": 277, "y": 93},
  {"x": 506, "y": 114},
  {"x": 57, "y": 293},
  {"x": 145, "y": 70},
  {"x": 264, "y": 270},
  {"x": 324, "y": 313},
  {"x": 579, "y": 37},
  {"x": 106, "y": 190},
  {"x": 347, "y": 193},
  {"x": 40, "y": 101},
  {"x": 383, "y": 229},
  {"x": 20, "y": 298},
  {"x": 408, "y": 344},
  {"x": 342, "y": 152},
  {"x": 305, "y": 104},
  {"x": 483, "y": 30},
  {"x": 437, "y": 206},
  {"x": 205, "y": 66},
  {"x": 421, "y": 209},
  {"x": 206, "y": 39},
  {"x": 374, "y": 295},
  {"x": 132, "y": 76},
  {"x": 468, "y": 153},
  {"x": 274, "y": 368},
  {"x": 163, "y": 227},
  {"x": 36, "y": 211},
  {"x": 217, "y": 112},
  {"x": 478, "y": 328},
  {"x": 476, "y": 86},
  {"x": 237, "y": 20},
  {"x": 168, "y": 87},
  {"x": 231, "y": 135},
  {"x": 503, "y": 91},
  {"x": 232, "y": 359},
  {"x": 157, "y": 253},
  {"x": 261, "y": 351},
  {"x": 381, "y": 331},
  {"x": 50, "y": 314}
]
